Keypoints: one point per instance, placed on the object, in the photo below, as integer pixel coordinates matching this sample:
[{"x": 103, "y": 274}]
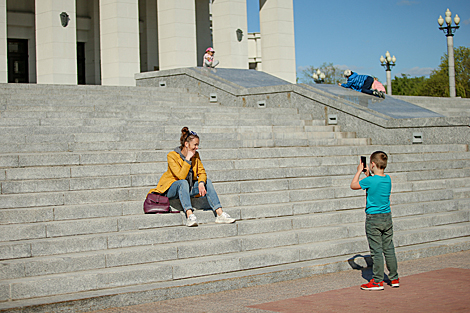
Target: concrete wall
[
  {"x": 277, "y": 33},
  {"x": 366, "y": 125},
  {"x": 177, "y": 33},
  {"x": 119, "y": 41},
  {"x": 254, "y": 51},
  {"x": 56, "y": 51},
  {"x": 228, "y": 16}
]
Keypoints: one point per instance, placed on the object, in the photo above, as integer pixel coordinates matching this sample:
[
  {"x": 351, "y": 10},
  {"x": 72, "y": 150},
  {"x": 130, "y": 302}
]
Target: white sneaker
[
  {"x": 224, "y": 218},
  {"x": 191, "y": 221}
]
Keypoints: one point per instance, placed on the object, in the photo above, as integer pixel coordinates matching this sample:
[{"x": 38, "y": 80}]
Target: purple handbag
[{"x": 156, "y": 204}]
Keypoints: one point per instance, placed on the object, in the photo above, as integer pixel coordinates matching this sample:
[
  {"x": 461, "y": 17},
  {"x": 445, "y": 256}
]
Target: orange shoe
[
  {"x": 372, "y": 285},
  {"x": 396, "y": 283}
]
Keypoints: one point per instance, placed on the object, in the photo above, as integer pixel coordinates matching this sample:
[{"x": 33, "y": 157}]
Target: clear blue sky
[{"x": 354, "y": 34}]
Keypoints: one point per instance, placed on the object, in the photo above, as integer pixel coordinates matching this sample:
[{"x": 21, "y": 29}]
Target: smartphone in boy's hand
[{"x": 364, "y": 161}]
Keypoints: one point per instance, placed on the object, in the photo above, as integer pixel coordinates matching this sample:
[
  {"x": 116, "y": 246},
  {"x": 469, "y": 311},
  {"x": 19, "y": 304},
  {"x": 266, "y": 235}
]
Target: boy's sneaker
[
  {"x": 191, "y": 221},
  {"x": 372, "y": 285},
  {"x": 382, "y": 94},
  {"x": 396, "y": 283},
  {"x": 224, "y": 218},
  {"x": 376, "y": 93}
]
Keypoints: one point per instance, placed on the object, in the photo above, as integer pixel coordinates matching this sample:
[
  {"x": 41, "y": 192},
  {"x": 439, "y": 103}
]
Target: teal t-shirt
[{"x": 378, "y": 189}]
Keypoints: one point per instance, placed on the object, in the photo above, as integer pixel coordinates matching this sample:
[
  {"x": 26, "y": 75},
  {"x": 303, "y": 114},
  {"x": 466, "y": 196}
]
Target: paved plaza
[{"x": 434, "y": 284}]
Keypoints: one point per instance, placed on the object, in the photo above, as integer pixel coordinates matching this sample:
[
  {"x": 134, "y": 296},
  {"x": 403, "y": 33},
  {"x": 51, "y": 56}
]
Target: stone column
[
  {"x": 56, "y": 45},
  {"x": 389, "y": 82},
  {"x": 227, "y": 17},
  {"x": 450, "y": 58},
  {"x": 277, "y": 38},
  {"x": 3, "y": 42},
  {"x": 119, "y": 32},
  {"x": 176, "y": 34}
]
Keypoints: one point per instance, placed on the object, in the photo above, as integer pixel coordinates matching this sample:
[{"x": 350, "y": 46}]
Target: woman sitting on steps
[{"x": 186, "y": 178}]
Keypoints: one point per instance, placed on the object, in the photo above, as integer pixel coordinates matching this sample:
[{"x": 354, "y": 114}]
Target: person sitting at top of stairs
[
  {"x": 186, "y": 178},
  {"x": 361, "y": 83},
  {"x": 209, "y": 59}
]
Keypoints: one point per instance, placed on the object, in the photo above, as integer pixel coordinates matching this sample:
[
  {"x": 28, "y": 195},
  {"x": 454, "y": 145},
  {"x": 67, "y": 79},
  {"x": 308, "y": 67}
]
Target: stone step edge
[
  {"x": 333, "y": 226},
  {"x": 147, "y": 293},
  {"x": 309, "y": 200},
  {"x": 417, "y": 151},
  {"x": 268, "y": 250}
]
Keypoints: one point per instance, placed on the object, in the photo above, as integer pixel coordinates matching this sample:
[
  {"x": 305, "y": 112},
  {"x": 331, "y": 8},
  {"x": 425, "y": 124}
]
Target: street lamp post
[
  {"x": 449, "y": 31},
  {"x": 318, "y": 77},
  {"x": 388, "y": 62}
]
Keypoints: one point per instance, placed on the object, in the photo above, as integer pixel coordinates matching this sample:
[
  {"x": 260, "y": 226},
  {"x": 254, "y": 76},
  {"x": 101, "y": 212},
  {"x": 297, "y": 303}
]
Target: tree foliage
[
  {"x": 437, "y": 85},
  {"x": 406, "y": 85},
  {"x": 332, "y": 74}
]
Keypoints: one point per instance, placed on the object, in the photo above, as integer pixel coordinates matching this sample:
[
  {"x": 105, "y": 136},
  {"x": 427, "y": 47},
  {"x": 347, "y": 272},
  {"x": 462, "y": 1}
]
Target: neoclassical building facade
[{"x": 107, "y": 41}]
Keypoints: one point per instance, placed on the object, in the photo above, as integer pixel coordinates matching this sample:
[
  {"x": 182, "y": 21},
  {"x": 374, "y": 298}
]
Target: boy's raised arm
[{"x": 355, "y": 182}]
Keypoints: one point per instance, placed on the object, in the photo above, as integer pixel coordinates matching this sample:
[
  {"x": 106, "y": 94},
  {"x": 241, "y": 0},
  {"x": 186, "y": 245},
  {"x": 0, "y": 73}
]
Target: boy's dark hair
[{"x": 380, "y": 159}]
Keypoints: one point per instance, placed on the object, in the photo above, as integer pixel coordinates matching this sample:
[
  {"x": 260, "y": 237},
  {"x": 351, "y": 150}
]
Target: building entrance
[
  {"x": 81, "y": 78},
  {"x": 18, "y": 61}
]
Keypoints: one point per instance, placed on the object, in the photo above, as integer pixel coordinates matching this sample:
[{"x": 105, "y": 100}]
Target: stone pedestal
[
  {"x": 227, "y": 17},
  {"x": 56, "y": 47},
  {"x": 176, "y": 34},
  {"x": 277, "y": 33},
  {"x": 3, "y": 42},
  {"x": 119, "y": 32}
]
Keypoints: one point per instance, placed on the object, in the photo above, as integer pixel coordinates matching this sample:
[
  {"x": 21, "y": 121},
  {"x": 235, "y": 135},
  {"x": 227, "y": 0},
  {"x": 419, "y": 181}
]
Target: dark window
[
  {"x": 18, "y": 61},
  {"x": 81, "y": 78}
]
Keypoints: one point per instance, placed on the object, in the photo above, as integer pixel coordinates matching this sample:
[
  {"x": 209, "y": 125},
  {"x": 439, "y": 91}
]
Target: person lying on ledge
[
  {"x": 361, "y": 83},
  {"x": 186, "y": 178}
]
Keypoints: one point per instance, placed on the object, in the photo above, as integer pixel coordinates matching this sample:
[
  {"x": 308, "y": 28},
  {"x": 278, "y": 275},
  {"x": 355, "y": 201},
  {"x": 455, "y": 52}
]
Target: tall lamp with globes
[
  {"x": 318, "y": 77},
  {"x": 388, "y": 62},
  {"x": 449, "y": 31}
]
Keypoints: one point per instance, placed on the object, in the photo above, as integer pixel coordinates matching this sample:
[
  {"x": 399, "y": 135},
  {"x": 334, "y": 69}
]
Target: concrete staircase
[
  {"x": 76, "y": 163},
  {"x": 442, "y": 105}
]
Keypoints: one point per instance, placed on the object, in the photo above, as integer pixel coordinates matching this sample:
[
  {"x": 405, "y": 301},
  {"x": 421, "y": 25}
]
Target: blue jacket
[{"x": 355, "y": 81}]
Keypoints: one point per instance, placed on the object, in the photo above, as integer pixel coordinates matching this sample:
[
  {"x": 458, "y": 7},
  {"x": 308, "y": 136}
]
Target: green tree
[
  {"x": 438, "y": 83},
  {"x": 332, "y": 74},
  {"x": 406, "y": 85}
]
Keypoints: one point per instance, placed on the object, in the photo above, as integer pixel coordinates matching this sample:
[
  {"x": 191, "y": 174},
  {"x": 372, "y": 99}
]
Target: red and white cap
[{"x": 210, "y": 49}]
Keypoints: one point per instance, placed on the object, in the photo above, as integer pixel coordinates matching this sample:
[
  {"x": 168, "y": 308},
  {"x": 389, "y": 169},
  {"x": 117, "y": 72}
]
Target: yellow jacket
[{"x": 179, "y": 169}]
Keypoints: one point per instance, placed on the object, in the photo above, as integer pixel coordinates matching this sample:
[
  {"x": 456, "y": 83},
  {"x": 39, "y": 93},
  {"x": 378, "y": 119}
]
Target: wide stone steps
[
  {"x": 342, "y": 241},
  {"x": 81, "y": 178},
  {"x": 288, "y": 236},
  {"x": 128, "y": 232},
  {"x": 113, "y": 143},
  {"x": 315, "y": 156},
  {"x": 296, "y": 202},
  {"x": 76, "y": 163}
]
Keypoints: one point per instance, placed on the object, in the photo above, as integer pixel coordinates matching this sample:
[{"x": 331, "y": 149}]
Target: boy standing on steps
[{"x": 379, "y": 226}]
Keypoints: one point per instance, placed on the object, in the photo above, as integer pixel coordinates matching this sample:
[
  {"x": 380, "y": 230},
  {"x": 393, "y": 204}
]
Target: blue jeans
[
  {"x": 367, "y": 85},
  {"x": 180, "y": 189},
  {"x": 379, "y": 231}
]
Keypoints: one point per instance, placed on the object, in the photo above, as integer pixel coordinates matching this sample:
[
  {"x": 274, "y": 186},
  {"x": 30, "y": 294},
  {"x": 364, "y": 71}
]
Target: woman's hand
[
  {"x": 202, "y": 189},
  {"x": 190, "y": 154}
]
